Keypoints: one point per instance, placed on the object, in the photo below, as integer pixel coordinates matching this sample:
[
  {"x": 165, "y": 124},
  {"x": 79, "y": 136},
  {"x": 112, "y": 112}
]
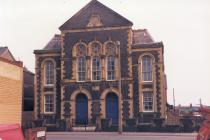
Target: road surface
[{"x": 116, "y": 136}]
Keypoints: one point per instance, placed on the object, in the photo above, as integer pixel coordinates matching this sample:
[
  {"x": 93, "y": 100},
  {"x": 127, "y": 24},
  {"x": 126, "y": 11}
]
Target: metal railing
[{"x": 82, "y": 122}]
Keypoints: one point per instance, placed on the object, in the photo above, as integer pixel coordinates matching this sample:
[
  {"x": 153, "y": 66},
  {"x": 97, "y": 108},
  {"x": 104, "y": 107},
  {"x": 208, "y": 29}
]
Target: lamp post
[{"x": 120, "y": 92}]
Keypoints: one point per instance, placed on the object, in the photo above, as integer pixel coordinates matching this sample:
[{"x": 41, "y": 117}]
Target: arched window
[
  {"x": 81, "y": 68},
  {"x": 96, "y": 68},
  {"x": 81, "y": 52},
  {"x": 147, "y": 68},
  {"x": 110, "y": 68},
  {"x": 95, "y": 52},
  {"x": 110, "y": 52},
  {"x": 49, "y": 72}
]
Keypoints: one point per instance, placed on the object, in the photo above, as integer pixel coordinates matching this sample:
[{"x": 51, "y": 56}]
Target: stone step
[{"x": 84, "y": 128}]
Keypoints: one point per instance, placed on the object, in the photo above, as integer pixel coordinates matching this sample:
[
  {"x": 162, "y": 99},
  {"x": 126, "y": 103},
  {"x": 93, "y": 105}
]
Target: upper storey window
[
  {"x": 110, "y": 50},
  {"x": 95, "y": 48},
  {"x": 110, "y": 68},
  {"x": 49, "y": 72},
  {"x": 81, "y": 68},
  {"x": 96, "y": 68},
  {"x": 81, "y": 62},
  {"x": 147, "y": 68}
]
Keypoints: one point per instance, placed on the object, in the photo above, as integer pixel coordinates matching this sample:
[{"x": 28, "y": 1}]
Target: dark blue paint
[
  {"x": 112, "y": 107},
  {"x": 81, "y": 109}
]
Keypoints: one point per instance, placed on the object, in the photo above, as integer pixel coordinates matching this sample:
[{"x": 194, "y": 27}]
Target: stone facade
[{"x": 98, "y": 25}]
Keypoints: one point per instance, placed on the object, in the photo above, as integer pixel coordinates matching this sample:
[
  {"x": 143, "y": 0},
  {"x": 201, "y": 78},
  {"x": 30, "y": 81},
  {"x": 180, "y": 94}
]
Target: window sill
[
  {"x": 81, "y": 81},
  {"x": 111, "y": 80},
  {"x": 148, "y": 111},
  {"x": 52, "y": 85},
  {"x": 147, "y": 82},
  {"x": 144, "y": 124},
  {"x": 96, "y": 81},
  {"x": 49, "y": 113}
]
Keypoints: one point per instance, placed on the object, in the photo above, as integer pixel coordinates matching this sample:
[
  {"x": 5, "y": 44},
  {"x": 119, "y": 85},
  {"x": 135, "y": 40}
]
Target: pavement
[{"x": 116, "y": 136}]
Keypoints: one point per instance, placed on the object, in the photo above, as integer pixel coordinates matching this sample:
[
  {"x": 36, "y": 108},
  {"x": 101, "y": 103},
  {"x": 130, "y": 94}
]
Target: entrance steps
[{"x": 84, "y": 128}]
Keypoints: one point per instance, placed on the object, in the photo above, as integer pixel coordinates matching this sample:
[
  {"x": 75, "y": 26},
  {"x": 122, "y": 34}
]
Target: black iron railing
[{"x": 82, "y": 122}]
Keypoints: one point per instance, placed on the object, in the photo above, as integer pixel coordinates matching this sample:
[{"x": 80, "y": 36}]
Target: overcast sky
[{"x": 182, "y": 25}]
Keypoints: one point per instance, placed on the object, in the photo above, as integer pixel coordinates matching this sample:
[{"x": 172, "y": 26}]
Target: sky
[{"x": 182, "y": 25}]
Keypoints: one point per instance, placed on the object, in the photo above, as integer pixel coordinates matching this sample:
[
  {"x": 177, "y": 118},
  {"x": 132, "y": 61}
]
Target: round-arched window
[{"x": 147, "y": 68}]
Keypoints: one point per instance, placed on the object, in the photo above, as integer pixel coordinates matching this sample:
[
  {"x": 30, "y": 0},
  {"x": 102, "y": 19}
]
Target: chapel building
[{"x": 97, "y": 58}]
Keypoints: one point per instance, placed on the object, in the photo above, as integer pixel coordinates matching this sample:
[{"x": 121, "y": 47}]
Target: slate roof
[
  {"x": 25, "y": 69},
  {"x": 6, "y": 56},
  {"x": 2, "y": 50},
  {"x": 141, "y": 36},
  {"x": 109, "y": 18},
  {"x": 54, "y": 44},
  {"x": 5, "y": 53}
]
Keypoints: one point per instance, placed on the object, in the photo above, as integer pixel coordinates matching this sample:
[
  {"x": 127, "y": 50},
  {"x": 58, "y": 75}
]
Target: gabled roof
[
  {"x": 5, "y": 53},
  {"x": 2, "y": 50},
  {"x": 141, "y": 36},
  {"x": 54, "y": 44},
  {"x": 107, "y": 16}
]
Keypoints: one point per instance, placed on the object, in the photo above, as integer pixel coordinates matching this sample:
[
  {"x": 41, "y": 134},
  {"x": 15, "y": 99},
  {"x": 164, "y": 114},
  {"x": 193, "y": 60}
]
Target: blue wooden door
[
  {"x": 112, "y": 107},
  {"x": 81, "y": 109}
]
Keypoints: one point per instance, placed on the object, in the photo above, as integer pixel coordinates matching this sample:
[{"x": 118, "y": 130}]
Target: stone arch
[
  {"x": 48, "y": 59},
  {"x": 105, "y": 45},
  {"x": 90, "y": 53},
  {"x": 103, "y": 99},
  {"x": 74, "y": 50},
  {"x": 146, "y": 54},
  {"x": 73, "y": 101}
]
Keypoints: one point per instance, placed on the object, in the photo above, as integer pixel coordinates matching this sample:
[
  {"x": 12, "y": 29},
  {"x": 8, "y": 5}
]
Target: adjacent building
[
  {"x": 28, "y": 96},
  {"x": 16, "y": 90},
  {"x": 97, "y": 67},
  {"x": 11, "y": 87}
]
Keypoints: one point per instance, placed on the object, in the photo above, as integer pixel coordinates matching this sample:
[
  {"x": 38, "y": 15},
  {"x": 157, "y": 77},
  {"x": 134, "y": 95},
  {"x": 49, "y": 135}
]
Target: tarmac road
[{"x": 116, "y": 136}]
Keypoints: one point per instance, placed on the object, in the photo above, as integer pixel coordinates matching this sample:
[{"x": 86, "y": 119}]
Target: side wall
[
  {"x": 157, "y": 86},
  {"x": 40, "y": 89},
  {"x": 11, "y": 83}
]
